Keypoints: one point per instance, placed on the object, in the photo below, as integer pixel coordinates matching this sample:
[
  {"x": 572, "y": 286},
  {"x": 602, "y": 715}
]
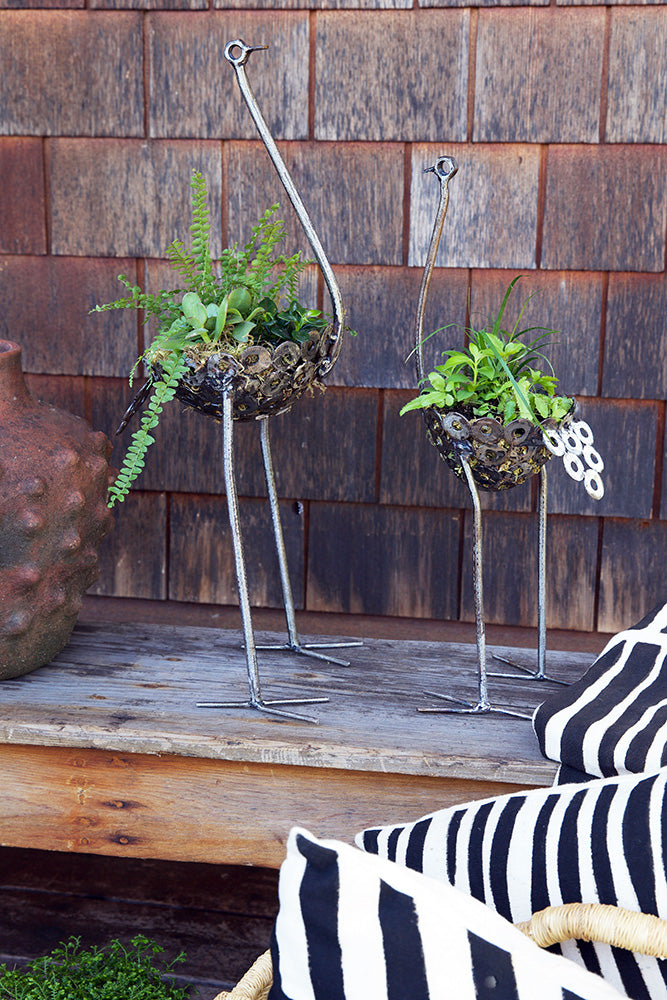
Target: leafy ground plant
[
  {"x": 496, "y": 375},
  {"x": 249, "y": 298},
  {"x": 117, "y": 972}
]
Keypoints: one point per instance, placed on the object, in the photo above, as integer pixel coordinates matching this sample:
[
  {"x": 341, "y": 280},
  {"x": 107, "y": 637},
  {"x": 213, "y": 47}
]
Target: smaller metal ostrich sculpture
[{"x": 491, "y": 456}]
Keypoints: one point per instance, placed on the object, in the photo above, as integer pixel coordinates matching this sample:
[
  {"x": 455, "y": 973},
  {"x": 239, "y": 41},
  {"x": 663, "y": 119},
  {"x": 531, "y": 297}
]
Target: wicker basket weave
[{"x": 640, "y": 932}]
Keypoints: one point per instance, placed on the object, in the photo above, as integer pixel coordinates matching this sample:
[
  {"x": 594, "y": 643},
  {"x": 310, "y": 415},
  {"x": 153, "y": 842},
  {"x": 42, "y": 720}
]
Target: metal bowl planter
[
  {"x": 500, "y": 456},
  {"x": 263, "y": 381}
]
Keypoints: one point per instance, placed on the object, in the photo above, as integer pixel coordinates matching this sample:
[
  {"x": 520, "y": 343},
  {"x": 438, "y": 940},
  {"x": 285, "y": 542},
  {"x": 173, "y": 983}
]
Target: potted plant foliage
[
  {"x": 237, "y": 325},
  {"x": 498, "y": 394}
]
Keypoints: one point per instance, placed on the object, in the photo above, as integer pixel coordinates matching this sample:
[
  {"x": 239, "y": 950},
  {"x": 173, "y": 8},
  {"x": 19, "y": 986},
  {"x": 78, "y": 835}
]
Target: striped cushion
[
  {"x": 614, "y": 719},
  {"x": 596, "y": 842},
  {"x": 354, "y": 927}
]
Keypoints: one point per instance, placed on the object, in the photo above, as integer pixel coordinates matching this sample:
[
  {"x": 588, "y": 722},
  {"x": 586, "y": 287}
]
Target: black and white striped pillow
[
  {"x": 614, "y": 719},
  {"x": 603, "y": 841},
  {"x": 354, "y": 927}
]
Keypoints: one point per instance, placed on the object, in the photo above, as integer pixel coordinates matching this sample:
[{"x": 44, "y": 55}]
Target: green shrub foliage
[
  {"x": 496, "y": 375},
  {"x": 116, "y": 972}
]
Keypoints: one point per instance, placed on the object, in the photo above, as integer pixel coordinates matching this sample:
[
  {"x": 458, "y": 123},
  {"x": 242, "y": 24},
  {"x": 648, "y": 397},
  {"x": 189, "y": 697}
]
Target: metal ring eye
[
  {"x": 242, "y": 58},
  {"x": 553, "y": 441},
  {"x": 571, "y": 441},
  {"x": 518, "y": 430},
  {"x": 490, "y": 456},
  {"x": 456, "y": 425},
  {"x": 255, "y": 359},
  {"x": 486, "y": 430},
  {"x": 593, "y": 458},
  {"x": 446, "y": 167},
  {"x": 573, "y": 466},
  {"x": 593, "y": 484},
  {"x": 582, "y": 430},
  {"x": 237, "y": 60}
]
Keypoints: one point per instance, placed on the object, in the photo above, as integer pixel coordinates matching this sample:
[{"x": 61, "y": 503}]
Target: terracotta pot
[{"x": 54, "y": 474}]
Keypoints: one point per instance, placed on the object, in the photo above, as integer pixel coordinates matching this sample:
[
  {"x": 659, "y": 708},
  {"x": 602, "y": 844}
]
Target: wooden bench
[{"x": 104, "y": 751}]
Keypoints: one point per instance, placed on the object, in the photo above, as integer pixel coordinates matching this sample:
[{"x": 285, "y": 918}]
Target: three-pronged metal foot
[
  {"x": 460, "y": 707},
  {"x": 309, "y": 649},
  {"x": 267, "y": 706},
  {"x": 536, "y": 675}
]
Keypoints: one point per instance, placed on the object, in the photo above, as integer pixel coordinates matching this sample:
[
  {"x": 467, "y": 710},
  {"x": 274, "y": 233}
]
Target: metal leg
[
  {"x": 483, "y": 706},
  {"x": 293, "y": 641},
  {"x": 540, "y": 674},
  {"x": 255, "y": 699}
]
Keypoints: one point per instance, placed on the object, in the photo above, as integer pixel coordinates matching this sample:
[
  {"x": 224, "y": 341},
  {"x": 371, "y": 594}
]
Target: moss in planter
[{"x": 116, "y": 972}]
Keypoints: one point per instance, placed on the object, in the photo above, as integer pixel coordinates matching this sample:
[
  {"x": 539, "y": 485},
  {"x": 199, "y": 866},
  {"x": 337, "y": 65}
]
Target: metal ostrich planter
[
  {"x": 487, "y": 454},
  {"x": 233, "y": 382},
  {"x": 286, "y": 378}
]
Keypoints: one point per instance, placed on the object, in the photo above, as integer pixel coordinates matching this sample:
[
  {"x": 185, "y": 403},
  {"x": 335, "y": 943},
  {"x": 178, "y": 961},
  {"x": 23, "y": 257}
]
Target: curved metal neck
[
  {"x": 444, "y": 169},
  {"x": 237, "y": 53}
]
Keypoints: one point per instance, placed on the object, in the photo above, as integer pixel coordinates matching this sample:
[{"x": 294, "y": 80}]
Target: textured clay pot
[{"x": 54, "y": 474}]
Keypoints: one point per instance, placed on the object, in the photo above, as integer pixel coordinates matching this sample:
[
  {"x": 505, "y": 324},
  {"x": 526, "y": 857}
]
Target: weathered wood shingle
[
  {"x": 98, "y": 86},
  {"x": 606, "y": 208},
  {"x": 193, "y": 91},
  {"x": 538, "y": 75},
  {"x": 637, "y": 93},
  {"x": 22, "y": 202},
  {"x": 395, "y": 60},
  {"x": 128, "y": 198},
  {"x": 47, "y": 304}
]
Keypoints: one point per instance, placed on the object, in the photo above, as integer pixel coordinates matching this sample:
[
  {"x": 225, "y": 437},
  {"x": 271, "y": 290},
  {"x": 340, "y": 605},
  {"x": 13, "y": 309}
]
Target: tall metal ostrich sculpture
[
  {"x": 321, "y": 360},
  {"x": 492, "y": 457},
  {"x": 262, "y": 381}
]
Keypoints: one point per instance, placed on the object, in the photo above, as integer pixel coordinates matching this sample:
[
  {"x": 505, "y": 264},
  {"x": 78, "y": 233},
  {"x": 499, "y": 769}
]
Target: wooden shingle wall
[{"x": 557, "y": 114}]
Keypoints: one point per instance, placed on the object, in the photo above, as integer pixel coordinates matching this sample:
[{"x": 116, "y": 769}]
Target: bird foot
[
  {"x": 309, "y": 649},
  {"x": 461, "y": 707},
  {"x": 536, "y": 675},
  {"x": 268, "y": 706}
]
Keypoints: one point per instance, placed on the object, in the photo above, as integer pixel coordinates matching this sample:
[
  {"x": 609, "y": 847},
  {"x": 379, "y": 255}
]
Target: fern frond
[
  {"x": 164, "y": 390},
  {"x": 201, "y": 234},
  {"x": 183, "y": 262},
  {"x": 288, "y": 276}
]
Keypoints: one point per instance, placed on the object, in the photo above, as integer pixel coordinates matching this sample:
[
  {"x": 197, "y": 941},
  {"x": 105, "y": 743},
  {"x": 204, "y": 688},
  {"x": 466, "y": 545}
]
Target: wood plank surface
[
  {"x": 189, "y": 809},
  {"x": 104, "y": 750},
  {"x": 134, "y": 688}
]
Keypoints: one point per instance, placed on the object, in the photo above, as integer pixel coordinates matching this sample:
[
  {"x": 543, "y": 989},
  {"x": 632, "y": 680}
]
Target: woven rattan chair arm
[
  {"x": 256, "y": 983},
  {"x": 640, "y": 932}
]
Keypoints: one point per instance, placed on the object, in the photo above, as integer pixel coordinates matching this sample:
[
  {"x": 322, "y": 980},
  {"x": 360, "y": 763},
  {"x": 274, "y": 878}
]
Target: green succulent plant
[
  {"x": 496, "y": 374},
  {"x": 249, "y": 298}
]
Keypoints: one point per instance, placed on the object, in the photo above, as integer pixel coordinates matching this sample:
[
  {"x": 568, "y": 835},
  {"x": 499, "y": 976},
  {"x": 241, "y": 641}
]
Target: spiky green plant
[
  {"x": 497, "y": 374},
  {"x": 250, "y": 297}
]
